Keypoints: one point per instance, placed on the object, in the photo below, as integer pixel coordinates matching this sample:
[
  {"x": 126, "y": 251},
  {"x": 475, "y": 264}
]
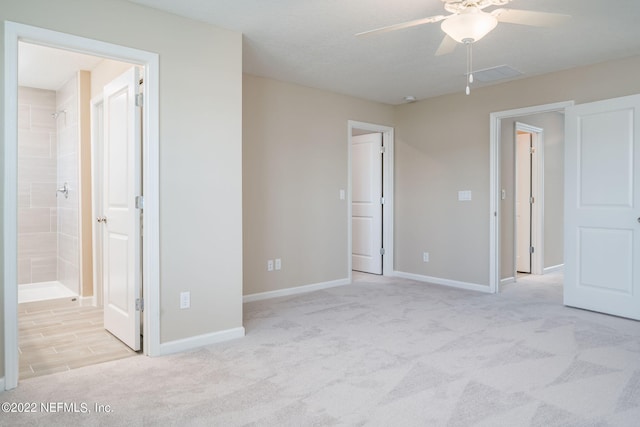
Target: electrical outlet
[
  {"x": 270, "y": 265},
  {"x": 278, "y": 263},
  {"x": 185, "y": 300},
  {"x": 425, "y": 257}
]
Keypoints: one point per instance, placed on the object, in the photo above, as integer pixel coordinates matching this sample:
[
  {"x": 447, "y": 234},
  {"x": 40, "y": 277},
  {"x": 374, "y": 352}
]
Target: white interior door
[
  {"x": 523, "y": 202},
  {"x": 121, "y": 222},
  {"x": 366, "y": 210},
  {"x": 602, "y": 207}
]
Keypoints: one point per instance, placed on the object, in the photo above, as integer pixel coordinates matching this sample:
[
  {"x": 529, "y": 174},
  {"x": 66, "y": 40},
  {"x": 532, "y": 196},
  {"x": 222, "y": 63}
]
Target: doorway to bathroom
[
  {"x": 146, "y": 204},
  {"x": 60, "y": 187}
]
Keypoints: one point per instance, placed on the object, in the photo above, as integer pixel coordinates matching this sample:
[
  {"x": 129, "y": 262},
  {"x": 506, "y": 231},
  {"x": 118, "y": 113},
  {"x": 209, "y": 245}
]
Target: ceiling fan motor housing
[{"x": 470, "y": 24}]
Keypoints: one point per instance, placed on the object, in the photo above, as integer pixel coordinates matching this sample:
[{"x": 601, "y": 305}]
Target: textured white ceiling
[{"x": 311, "y": 42}]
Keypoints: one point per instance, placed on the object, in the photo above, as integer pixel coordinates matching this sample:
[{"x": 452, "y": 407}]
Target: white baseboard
[
  {"x": 295, "y": 290},
  {"x": 553, "y": 269},
  {"x": 191, "y": 343},
  {"x": 507, "y": 280},
  {"x": 88, "y": 301},
  {"x": 444, "y": 282}
]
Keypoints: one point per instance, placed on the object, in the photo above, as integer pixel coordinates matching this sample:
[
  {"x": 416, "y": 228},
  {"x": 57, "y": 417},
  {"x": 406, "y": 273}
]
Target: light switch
[
  {"x": 185, "y": 300},
  {"x": 342, "y": 194},
  {"x": 464, "y": 196}
]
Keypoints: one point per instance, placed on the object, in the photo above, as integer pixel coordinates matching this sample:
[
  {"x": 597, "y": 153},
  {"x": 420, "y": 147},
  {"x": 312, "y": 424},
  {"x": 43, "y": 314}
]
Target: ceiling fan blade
[
  {"x": 403, "y": 25},
  {"x": 529, "y": 17},
  {"x": 448, "y": 45}
]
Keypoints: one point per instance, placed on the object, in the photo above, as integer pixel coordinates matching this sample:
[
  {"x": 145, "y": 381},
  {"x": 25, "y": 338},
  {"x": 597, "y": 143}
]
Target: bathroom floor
[{"x": 59, "y": 335}]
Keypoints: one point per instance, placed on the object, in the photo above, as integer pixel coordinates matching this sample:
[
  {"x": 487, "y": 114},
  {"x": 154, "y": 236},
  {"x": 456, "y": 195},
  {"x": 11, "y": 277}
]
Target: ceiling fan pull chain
[
  {"x": 470, "y": 63},
  {"x": 469, "y": 66}
]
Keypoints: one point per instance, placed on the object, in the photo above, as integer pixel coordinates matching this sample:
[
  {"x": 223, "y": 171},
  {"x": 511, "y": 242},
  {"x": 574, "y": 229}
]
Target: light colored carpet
[{"x": 379, "y": 352}]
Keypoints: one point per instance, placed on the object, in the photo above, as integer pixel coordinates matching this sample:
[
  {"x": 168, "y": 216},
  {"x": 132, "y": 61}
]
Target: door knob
[{"x": 102, "y": 219}]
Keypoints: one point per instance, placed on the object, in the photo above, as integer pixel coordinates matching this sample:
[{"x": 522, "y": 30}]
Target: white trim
[
  {"x": 2, "y": 384},
  {"x": 295, "y": 290},
  {"x": 88, "y": 301},
  {"x": 507, "y": 280},
  {"x": 198, "y": 341},
  {"x": 444, "y": 282},
  {"x": 388, "y": 142},
  {"x": 494, "y": 180},
  {"x": 9, "y": 208},
  {"x": 554, "y": 269},
  {"x": 13, "y": 32}
]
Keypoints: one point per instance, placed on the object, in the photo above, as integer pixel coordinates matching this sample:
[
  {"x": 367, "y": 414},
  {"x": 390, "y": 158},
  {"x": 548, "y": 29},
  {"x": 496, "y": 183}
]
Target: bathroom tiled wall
[
  {"x": 68, "y": 171},
  {"x": 37, "y": 176}
]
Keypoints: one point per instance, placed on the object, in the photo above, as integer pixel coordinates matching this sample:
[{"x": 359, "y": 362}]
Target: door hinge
[
  {"x": 139, "y": 304},
  {"x": 532, "y": 200},
  {"x": 382, "y": 200},
  {"x": 531, "y": 249},
  {"x": 532, "y": 150},
  {"x": 383, "y": 150},
  {"x": 381, "y": 251},
  {"x": 139, "y": 100},
  {"x": 139, "y": 202}
]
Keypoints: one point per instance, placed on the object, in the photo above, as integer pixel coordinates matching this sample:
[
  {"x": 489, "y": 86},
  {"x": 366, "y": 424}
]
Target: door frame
[
  {"x": 387, "y": 191},
  {"x": 537, "y": 192},
  {"x": 14, "y": 32},
  {"x": 495, "y": 122}
]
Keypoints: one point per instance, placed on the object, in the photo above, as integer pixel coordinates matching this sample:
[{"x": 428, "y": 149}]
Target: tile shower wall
[
  {"x": 68, "y": 171},
  {"x": 37, "y": 176}
]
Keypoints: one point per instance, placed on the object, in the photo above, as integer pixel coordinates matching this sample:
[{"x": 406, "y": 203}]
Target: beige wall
[
  {"x": 294, "y": 155},
  {"x": 86, "y": 215},
  {"x": 105, "y": 72},
  {"x": 442, "y": 146},
  {"x": 294, "y": 165},
  {"x": 553, "y": 152},
  {"x": 200, "y": 151}
]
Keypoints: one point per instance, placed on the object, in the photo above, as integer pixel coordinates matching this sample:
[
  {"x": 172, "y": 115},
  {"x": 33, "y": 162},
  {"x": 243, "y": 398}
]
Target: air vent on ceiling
[{"x": 493, "y": 74}]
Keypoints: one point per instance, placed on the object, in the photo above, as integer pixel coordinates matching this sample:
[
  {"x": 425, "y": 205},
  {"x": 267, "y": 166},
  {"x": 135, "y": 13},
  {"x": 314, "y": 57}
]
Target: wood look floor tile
[{"x": 59, "y": 335}]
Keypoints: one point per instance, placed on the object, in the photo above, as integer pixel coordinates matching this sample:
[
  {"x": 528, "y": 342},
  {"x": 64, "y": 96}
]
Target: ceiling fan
[{"x": 468, "y": 23}]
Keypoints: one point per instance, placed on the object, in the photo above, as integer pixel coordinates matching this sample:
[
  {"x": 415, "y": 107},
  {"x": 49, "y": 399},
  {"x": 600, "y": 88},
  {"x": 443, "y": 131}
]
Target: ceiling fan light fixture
[{"x": 472, "y": 24}]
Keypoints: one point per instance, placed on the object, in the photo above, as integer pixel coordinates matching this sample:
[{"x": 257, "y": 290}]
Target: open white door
[
  {"x": 602, "y": 207},
  {"x": 523, "y": 202},
  {"x": 366, "y": 195},
  {"x": 121, "y": 222}
]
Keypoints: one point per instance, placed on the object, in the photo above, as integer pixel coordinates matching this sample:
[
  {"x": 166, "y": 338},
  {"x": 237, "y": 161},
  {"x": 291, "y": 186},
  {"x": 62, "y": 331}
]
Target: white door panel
[
  {"x": 602, "y": 207},
  {"x": 523, "y": 203},
  {"x": 121, "y": 184},
  {"x": 366, "y": 209}
]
